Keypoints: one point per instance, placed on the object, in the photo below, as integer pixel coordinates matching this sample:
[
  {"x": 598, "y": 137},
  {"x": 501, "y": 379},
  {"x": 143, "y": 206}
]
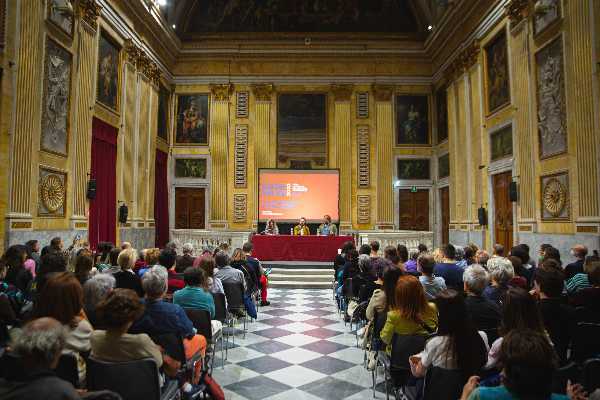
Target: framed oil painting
[
  {"x": 411, "y": 169},
  {"x": 162, "y": 122},
  {"x": 555, "y": 197},
  {"x": 444, "y": 166},
  {"x": 60, "y": 13},
  {"x": 551, "y": 103},
  {"x": 501, "y": 143},
  {"x": 190, "y": 168},
  {"x": 107, "y": 92},
  {"x": 192, "y": 119},
  {"x": 57, "y": 99},
  {"x": 498, "y": 81},
  {"x": 302, "y": 130},
  {"x": 549, "y": 13},
  {"x": 412, "y": 120},
  {"x": 441, "y": 100},
  {"x": 52, "y": 193}
]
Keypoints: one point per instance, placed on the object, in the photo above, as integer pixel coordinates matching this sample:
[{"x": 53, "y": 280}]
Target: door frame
[
  {"x": 440, "y": 184},
  {"x": 495, "y": 168},
  {"x": 420, "y": 184},
  {"x": 191, "y": 183}
]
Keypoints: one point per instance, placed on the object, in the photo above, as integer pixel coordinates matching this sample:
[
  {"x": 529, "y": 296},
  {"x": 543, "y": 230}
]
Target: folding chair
[
  {"x": 202, "y": 322},
  {"x": 235, "y": 305},
  {"x": 396, "y": 366},
  {"x": 221, "y": 315}
]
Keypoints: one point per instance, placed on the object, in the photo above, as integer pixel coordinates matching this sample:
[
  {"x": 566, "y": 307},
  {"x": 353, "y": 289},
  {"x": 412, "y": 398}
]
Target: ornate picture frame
[
  {"x": 413, "y": 169},
  {"x": 441, "y": 107},
  {"x": 52, "y": 192},
  {"x": 497, "y": 74},
  {"x": 108, "y": 81},
  {"x": 551, "y": 99},
  {"x": 413, "y": 122},
  {"x": 162, "y": 119},
  {"x": 190, "y": 168},
  {"x": 444, "y": 166},
  {"x": 555, "y": 197},
  {"x": 501, "y": 143},
  {"x": 192, "y": 127},
  {"x": 60, "y": 13},
  {"x": 56, "y": 103}
]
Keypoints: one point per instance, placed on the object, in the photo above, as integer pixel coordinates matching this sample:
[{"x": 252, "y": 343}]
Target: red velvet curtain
[
  {"x": 103, "y": 209},
  {"x": 161, "y": 199}
]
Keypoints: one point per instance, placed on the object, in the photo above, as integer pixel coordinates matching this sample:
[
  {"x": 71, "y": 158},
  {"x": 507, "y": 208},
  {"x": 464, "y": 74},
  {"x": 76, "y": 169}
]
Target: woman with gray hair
[
  {"x": 501, "y": 272},
  {"x": 186, "y": 260},
  {"x": 94, "y": 291},
  {"x": 485, "y": 314}
]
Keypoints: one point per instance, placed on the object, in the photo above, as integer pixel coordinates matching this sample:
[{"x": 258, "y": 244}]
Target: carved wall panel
[
  {"x": 364, "y": 157},
  {"x": 546, "y": 12},
  {"x": 60, "y": 13},
  {"x": 241, "y": 110},
  {"x": 241, "y": 155},
  {"x": 52, "y": 193},
  {"x": 364, "y": 209},
  {"x": 555, "y": 197},
  {"x": 551, "y": 105},
  {"x": 362, "y": 105},
  {"x": 57, "y": 96},
  {"x": 239, "y": 207}
]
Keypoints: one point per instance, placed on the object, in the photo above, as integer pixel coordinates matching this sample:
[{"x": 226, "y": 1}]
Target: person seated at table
[
  {"x": 327, "y": 228},
  {"x": 301, "y": 229},
  {"x": 271, "y": 228}
]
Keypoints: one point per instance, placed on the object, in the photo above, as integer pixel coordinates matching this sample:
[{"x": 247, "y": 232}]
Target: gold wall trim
[
  {"x": 525, "y": 228},
  {"x": 21, "y": 225},
  {"x": 587, "y": 229},
  {"x": 80, "y": 225}
]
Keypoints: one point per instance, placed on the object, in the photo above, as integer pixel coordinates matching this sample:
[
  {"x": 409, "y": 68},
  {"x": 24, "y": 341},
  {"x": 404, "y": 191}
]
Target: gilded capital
[
  {"x": 263, "y": 91},
  {"x": 221, "y": 92},
  {"x": 89, "y": 11},
  {"x": 153, "y": 73},
  {"x": 518, "y": 10},
  {"x": 383, "y": 92},
  {"x": 132, "y": 51},
  {"x": 342, "y": 92},
  {"x": 470, "y": 55}
]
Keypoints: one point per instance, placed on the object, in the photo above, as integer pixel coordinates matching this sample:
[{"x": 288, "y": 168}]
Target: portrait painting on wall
[
  {"x": 555, "y": 196},
  {"x": 60, "y": 13},
  {"x": 412, "y": 119},
  {"x": 410, "y": 169},
  {"x": 551, "y": 105},
  {"x": 498, "y": 82},
  {"x": 56, "y": 101},
  {"x": 501, "y": 143},
  {"x": 444, "y": 166},
  {"x": 549, "y": 12},
  {"x": 302, "y": 130},
  {"x": 107, "y": 91},
  {"x": 190, "y": 168},
  {"x": 441, "y": 99},
  {"x": 52, "y": 193},
  {"x": 192, "y": 119},
  {"x": 162, "y": 121}
]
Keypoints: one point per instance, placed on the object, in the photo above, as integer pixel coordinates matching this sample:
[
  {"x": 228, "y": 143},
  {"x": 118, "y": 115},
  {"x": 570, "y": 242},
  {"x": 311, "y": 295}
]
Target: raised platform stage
[{"x": 299, "y": 274}]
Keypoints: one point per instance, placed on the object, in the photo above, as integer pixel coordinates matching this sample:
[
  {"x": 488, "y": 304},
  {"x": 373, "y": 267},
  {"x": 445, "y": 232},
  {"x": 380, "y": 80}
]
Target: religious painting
[
  {"x": 547, "y": 12},
  {"x": 60, "y": 13},
  {"x": 163, "y": 113},
  {"x": 444, "y": 166},
  {"x": 498, "y": 82},
  {"x": 107, "y": 91},
  {"x": 412, "y": 119},
  {"x": 441, "y": 99},
  {"x": 356, "y": 16},
  {"x": 555, "y": 197},
  {"x": 190, "y": 168},
  {"x": 192, "y": 119},
  {"x": 410, "y": 169},
  {"x": 52, "y": 193},
  {"x": 57, "y": 98},
  {"x": 551, "y": 104},
  {"x": 302, "y": 130},
  {"x": 501, "y": 143}
]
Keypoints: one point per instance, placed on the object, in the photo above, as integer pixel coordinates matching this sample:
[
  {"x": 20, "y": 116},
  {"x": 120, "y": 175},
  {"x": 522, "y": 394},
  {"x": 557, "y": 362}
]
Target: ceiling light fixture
[
  {"x": 174, "y": 26},
  {"x": 429, "y": 27},
  {"x": 162, "y": 3}
]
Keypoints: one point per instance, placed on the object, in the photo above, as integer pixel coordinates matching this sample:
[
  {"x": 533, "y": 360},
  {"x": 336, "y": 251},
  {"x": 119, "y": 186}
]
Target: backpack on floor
[{"x": 213, "y": 389}]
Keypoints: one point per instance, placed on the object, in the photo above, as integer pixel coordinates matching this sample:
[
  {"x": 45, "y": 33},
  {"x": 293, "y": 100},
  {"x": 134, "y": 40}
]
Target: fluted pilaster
[
  {"x": 385, "y": 144},
  {"x": 129, "y": 135},
  {"x": 343, "y": 137},
  {"x": 452, "y": 148},
  {"x": 261, "y": 133},
  {"x": 219, "y": 126},
  {"x": 151, "y": 159},
  {"x": 143, "y": 148}
]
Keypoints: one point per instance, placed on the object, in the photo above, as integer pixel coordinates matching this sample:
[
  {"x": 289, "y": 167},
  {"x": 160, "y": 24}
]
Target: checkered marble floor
[{"x": 299, "y": 348}]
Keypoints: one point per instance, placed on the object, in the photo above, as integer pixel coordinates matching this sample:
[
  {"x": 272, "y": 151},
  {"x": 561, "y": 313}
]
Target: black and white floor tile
[{"x": 299, "y": 348}]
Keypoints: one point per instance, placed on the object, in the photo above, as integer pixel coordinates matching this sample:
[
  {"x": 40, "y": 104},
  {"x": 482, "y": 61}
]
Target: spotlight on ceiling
[
  {"x": 429, "y": 27},
  {"x": 174, "y": 26},
  {"x": 162, "y": 3}
]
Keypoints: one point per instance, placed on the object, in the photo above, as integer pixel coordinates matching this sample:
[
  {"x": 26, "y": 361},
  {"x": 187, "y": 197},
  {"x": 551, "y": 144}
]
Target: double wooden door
[
  {"x": 414, "y": 210},
  {"x": 503, "y": 210},
  {"x": 445, "y": 208},
  {"x": 190, "y": 208}
]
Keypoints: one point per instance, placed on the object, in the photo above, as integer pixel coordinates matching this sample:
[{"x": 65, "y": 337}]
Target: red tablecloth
[{"x": 297, "y": 248}]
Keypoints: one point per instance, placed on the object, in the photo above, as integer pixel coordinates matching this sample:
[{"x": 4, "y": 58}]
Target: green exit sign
[{"x": 413, "y": 189}]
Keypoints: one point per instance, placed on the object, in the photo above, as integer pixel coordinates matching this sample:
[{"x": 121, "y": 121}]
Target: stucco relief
[{"x": 552, "y": 124}]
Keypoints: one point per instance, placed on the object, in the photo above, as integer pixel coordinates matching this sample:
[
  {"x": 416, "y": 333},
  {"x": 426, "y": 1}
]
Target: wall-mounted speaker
[
  {"x": 91, "y": 189},
  {"x": 482, "y": 216},
  {"x": 513, "y": 192},
  {"x": 123, "y": 213}
]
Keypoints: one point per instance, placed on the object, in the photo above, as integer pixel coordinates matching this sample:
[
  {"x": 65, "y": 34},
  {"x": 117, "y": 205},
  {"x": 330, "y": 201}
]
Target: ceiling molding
[{"x": 296, "y": 80}]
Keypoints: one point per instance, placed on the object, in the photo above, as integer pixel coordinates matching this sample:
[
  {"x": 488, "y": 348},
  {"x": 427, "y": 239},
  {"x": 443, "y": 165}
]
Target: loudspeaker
[
  {"x": 482, "y": 216},
  {"x": 91, "y": 189},
  {"x": 123, "y": 213},
  {"x": 513, "y": 192}
]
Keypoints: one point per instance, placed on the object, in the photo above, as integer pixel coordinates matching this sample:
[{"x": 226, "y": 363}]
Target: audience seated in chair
[
  {"x": 226, "y": 273},
  {"x": 448, "y": 268},
  {"x": 257, "y": 269},
  {"x": 581, "y": 280},
  {"x": 186, "y": 260},
  {"x": 484, "y": 313},
  {"x": 207, "y": 264},
  {"x": 384, "y": 298},
  {"x": 126, "y": 278},
  {"x": 431, "y": 284},
  {"x": 501, "y": 272},
  {"x": 94, "y": 291}
]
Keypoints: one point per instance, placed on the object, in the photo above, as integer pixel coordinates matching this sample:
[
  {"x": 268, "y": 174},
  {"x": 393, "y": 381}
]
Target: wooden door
[
  {"x": 445, "y": 208},
  {"x": 414, "y": 210},
  {"x": 190, "y": 206},
  {"x": 503, "y": 210}
]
